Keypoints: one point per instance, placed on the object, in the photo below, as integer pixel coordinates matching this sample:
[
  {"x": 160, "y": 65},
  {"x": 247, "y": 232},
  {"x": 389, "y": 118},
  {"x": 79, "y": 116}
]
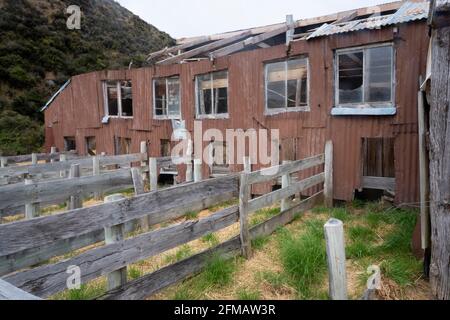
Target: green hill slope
[{"x": 38, "y": 53}]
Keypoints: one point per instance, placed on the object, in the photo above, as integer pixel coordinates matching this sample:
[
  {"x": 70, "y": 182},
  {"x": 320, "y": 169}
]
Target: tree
[{"x": 440, "y": 149}]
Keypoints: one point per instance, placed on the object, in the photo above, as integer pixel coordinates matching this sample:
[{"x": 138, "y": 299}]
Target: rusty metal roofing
[{"x": 409, "y": 11}]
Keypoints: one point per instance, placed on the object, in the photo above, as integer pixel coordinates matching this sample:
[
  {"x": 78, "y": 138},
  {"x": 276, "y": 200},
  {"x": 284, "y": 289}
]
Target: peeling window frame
[
  {"x": 166, "y": 116},
  {"x": 274, "y": 111},
  {"x": 119, "y": 99},
  {"x": 199, "y": 115},
  {"x": 385, "y": 107}
]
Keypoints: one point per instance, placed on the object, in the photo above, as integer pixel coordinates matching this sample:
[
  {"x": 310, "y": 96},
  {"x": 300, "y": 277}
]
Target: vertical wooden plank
[
  {"x": 197, "y": 170},
  {"x": 143, "y": 148},
  {"x": 424, "y": 172},
  {"x": 3, "y": 162},
  {"x": 52, "y": 151},
  {"x": 153, "y": 171},
  {"x": 138, "y": 183},
  {"x": 31, "y": 209},
  {"x": 189, "y": 165},
  {"x": 96, "y": 172},
  {"x": 244, "y": 197},
  {"x": 112, "y": 235},
  {"x": 286, "y": 182},
  {"x": 328, "y": 184},
  {"x": 34, "y": 159},
  {"x": 62, "y": 158},
  {"x": 334, "y": 237},
  {"x": 75, "y": 201}
]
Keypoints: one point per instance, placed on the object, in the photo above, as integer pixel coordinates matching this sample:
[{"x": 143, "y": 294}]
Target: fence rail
[{"x": 26, "y": 243}]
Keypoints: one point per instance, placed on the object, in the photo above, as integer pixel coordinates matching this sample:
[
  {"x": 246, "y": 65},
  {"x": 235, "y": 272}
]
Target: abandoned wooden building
[{"x": 350, "y": 77}]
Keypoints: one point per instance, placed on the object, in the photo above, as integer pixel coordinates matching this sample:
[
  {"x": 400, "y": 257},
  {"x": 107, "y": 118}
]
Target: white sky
[{"x": 188, "y": 18}]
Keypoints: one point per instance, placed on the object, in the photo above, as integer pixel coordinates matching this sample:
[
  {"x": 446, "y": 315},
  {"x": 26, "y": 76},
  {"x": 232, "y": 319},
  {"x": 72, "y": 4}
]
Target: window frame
[
  {"x": 385, "y": 107},
  {"x": 274, "y": 111},
  {"x": 167, "y": 116},
  {"x": 119, "y": 99},
  {"x": 198, "y": 115}
]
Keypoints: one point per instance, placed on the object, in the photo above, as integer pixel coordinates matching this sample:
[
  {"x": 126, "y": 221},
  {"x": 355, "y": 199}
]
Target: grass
[
  {"x": 191, "y": 215},
  {"x": 218, "y": 271},
  {"x": 211, "y": 239},
  {"x": 248, "y": 295},
  {"x": 85, "y": 292},
  {"x": 259, "y": 242},
  {"x": 182, "y": 253},
  {"x": 263, "y": 215},
  {"x": 134, "y": 273},
  {"x": 361, "y": 233},
  {"x": 303, "y": 257},
  {"x": 403, "y": 269}
]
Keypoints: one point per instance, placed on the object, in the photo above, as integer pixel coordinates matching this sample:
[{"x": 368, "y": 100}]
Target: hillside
[{"x": 38, "y": 54}]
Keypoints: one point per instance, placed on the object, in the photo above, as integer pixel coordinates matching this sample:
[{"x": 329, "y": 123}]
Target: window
[
  {"x": 122, "y": 145},
  {"x": 365, "y": 77},
  {"x": 166, "y": 102},
  {"x": 212, "y": 94},
  {"x": 69, "y": 144},
  {"x": 286, "y": 86},
  {"x": 91, "y": 146},
  {"x": 118, "y": 98},
  {"x": 219, "y": 162}
]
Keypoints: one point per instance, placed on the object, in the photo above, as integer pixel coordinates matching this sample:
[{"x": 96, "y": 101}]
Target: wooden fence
[{"x": 27, "y": 243}]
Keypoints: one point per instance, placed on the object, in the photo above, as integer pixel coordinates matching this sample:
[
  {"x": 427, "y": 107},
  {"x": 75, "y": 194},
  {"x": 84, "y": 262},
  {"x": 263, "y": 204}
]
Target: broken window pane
[
  {"x": 112, "y": 96},
  {"x": 173, "y": 93},
  {"x": 220, "y": 91},
  {"x": 378, "y": 74},
  {"x": 276, "y": 85},
  {"x": 351, "y": 77},
  {"x": 212, "y": 93},
  {"x": 127, "y": 98},
  {"x": 287, "y": 84},
  {"x": 160, "y": 97},
  {"x": 297, "y": 83}
]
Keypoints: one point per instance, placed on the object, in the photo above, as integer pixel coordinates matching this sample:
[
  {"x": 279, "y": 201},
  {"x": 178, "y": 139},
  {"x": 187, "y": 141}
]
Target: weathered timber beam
[
  {"x": 10, "y": 292},
  {"x": 439, "y": 14},
  {"x": 379, "y": 183},
  {"x": 271, "y": 173},
  {"x": 174, "y": 49},
  {"x": 204, "y": 49},
  {"x": 49, "y": 279},
  {"x": 153, "y": 283},
  {"x": 247, "y": 42},
  {"x": 158, "y": 205}
]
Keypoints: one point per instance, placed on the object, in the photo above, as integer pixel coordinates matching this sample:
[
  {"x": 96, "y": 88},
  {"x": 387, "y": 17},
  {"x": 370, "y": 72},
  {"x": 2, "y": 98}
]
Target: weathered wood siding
[{"x": 79, "y": 109}]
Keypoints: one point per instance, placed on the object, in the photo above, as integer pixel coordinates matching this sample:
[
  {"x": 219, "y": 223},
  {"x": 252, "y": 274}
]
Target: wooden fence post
[
  {"x": 145, "y": 176},
  {"x": 334, "y": 236},
  {"x": 286, "y": 182},
  {"x": 138, "y": 184},
  {"x": 62, "y": 158},
  {"x": 31, "y": 209},
  {"x": 52, "y": 151},
  {"x": 197, "y": 170},
  {"x": 112, "y": 235},
  {"x": 244, "y": 197},
  {"x": 153, "y": 171},
  {"x": 328, "y": 184},
  {"x": 96, "y": 172},
  {"x": 75, "y": 201},
  {"x": 189, "y": 166},
  {"x": 3, "y": 162},
  {"x": 34, "y": 159}
]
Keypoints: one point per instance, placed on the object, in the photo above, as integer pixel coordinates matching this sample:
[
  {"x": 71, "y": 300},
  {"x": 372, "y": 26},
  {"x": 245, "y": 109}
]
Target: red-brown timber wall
[{"x": 78, "y": 110}]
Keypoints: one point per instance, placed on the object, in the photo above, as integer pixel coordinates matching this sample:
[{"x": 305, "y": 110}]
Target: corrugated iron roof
[{"x": 409, "y": 11}]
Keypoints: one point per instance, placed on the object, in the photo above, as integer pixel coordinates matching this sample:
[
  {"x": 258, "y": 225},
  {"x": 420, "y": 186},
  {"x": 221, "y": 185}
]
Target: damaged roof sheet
[{"x": 409, "y": 11}]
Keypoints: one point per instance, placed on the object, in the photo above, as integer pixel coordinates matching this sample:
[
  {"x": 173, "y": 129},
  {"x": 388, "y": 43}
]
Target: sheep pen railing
[{"x": 46, "y": 237}]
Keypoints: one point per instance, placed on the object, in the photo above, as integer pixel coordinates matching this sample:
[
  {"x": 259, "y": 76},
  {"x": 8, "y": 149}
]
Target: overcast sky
[{"x": 188, "y": 18}]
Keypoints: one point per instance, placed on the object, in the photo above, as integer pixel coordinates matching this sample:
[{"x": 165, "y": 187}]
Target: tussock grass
[
  {"x": 361, "y": 233},
  {"x": 211, "y": 239},
  {"x": 134, "y": 273},
  {"x": 182, "y": 253},
  {"x": 263, "y": 215},
  {"x": 248, "y": 295},
  {"x": 259, "y": 242},
  {"x": 403, "y": 269},
  {"x": 191, "y": 215},
  {"x": 86, "y": 292},
  {"x": 304, "y": 257}
]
